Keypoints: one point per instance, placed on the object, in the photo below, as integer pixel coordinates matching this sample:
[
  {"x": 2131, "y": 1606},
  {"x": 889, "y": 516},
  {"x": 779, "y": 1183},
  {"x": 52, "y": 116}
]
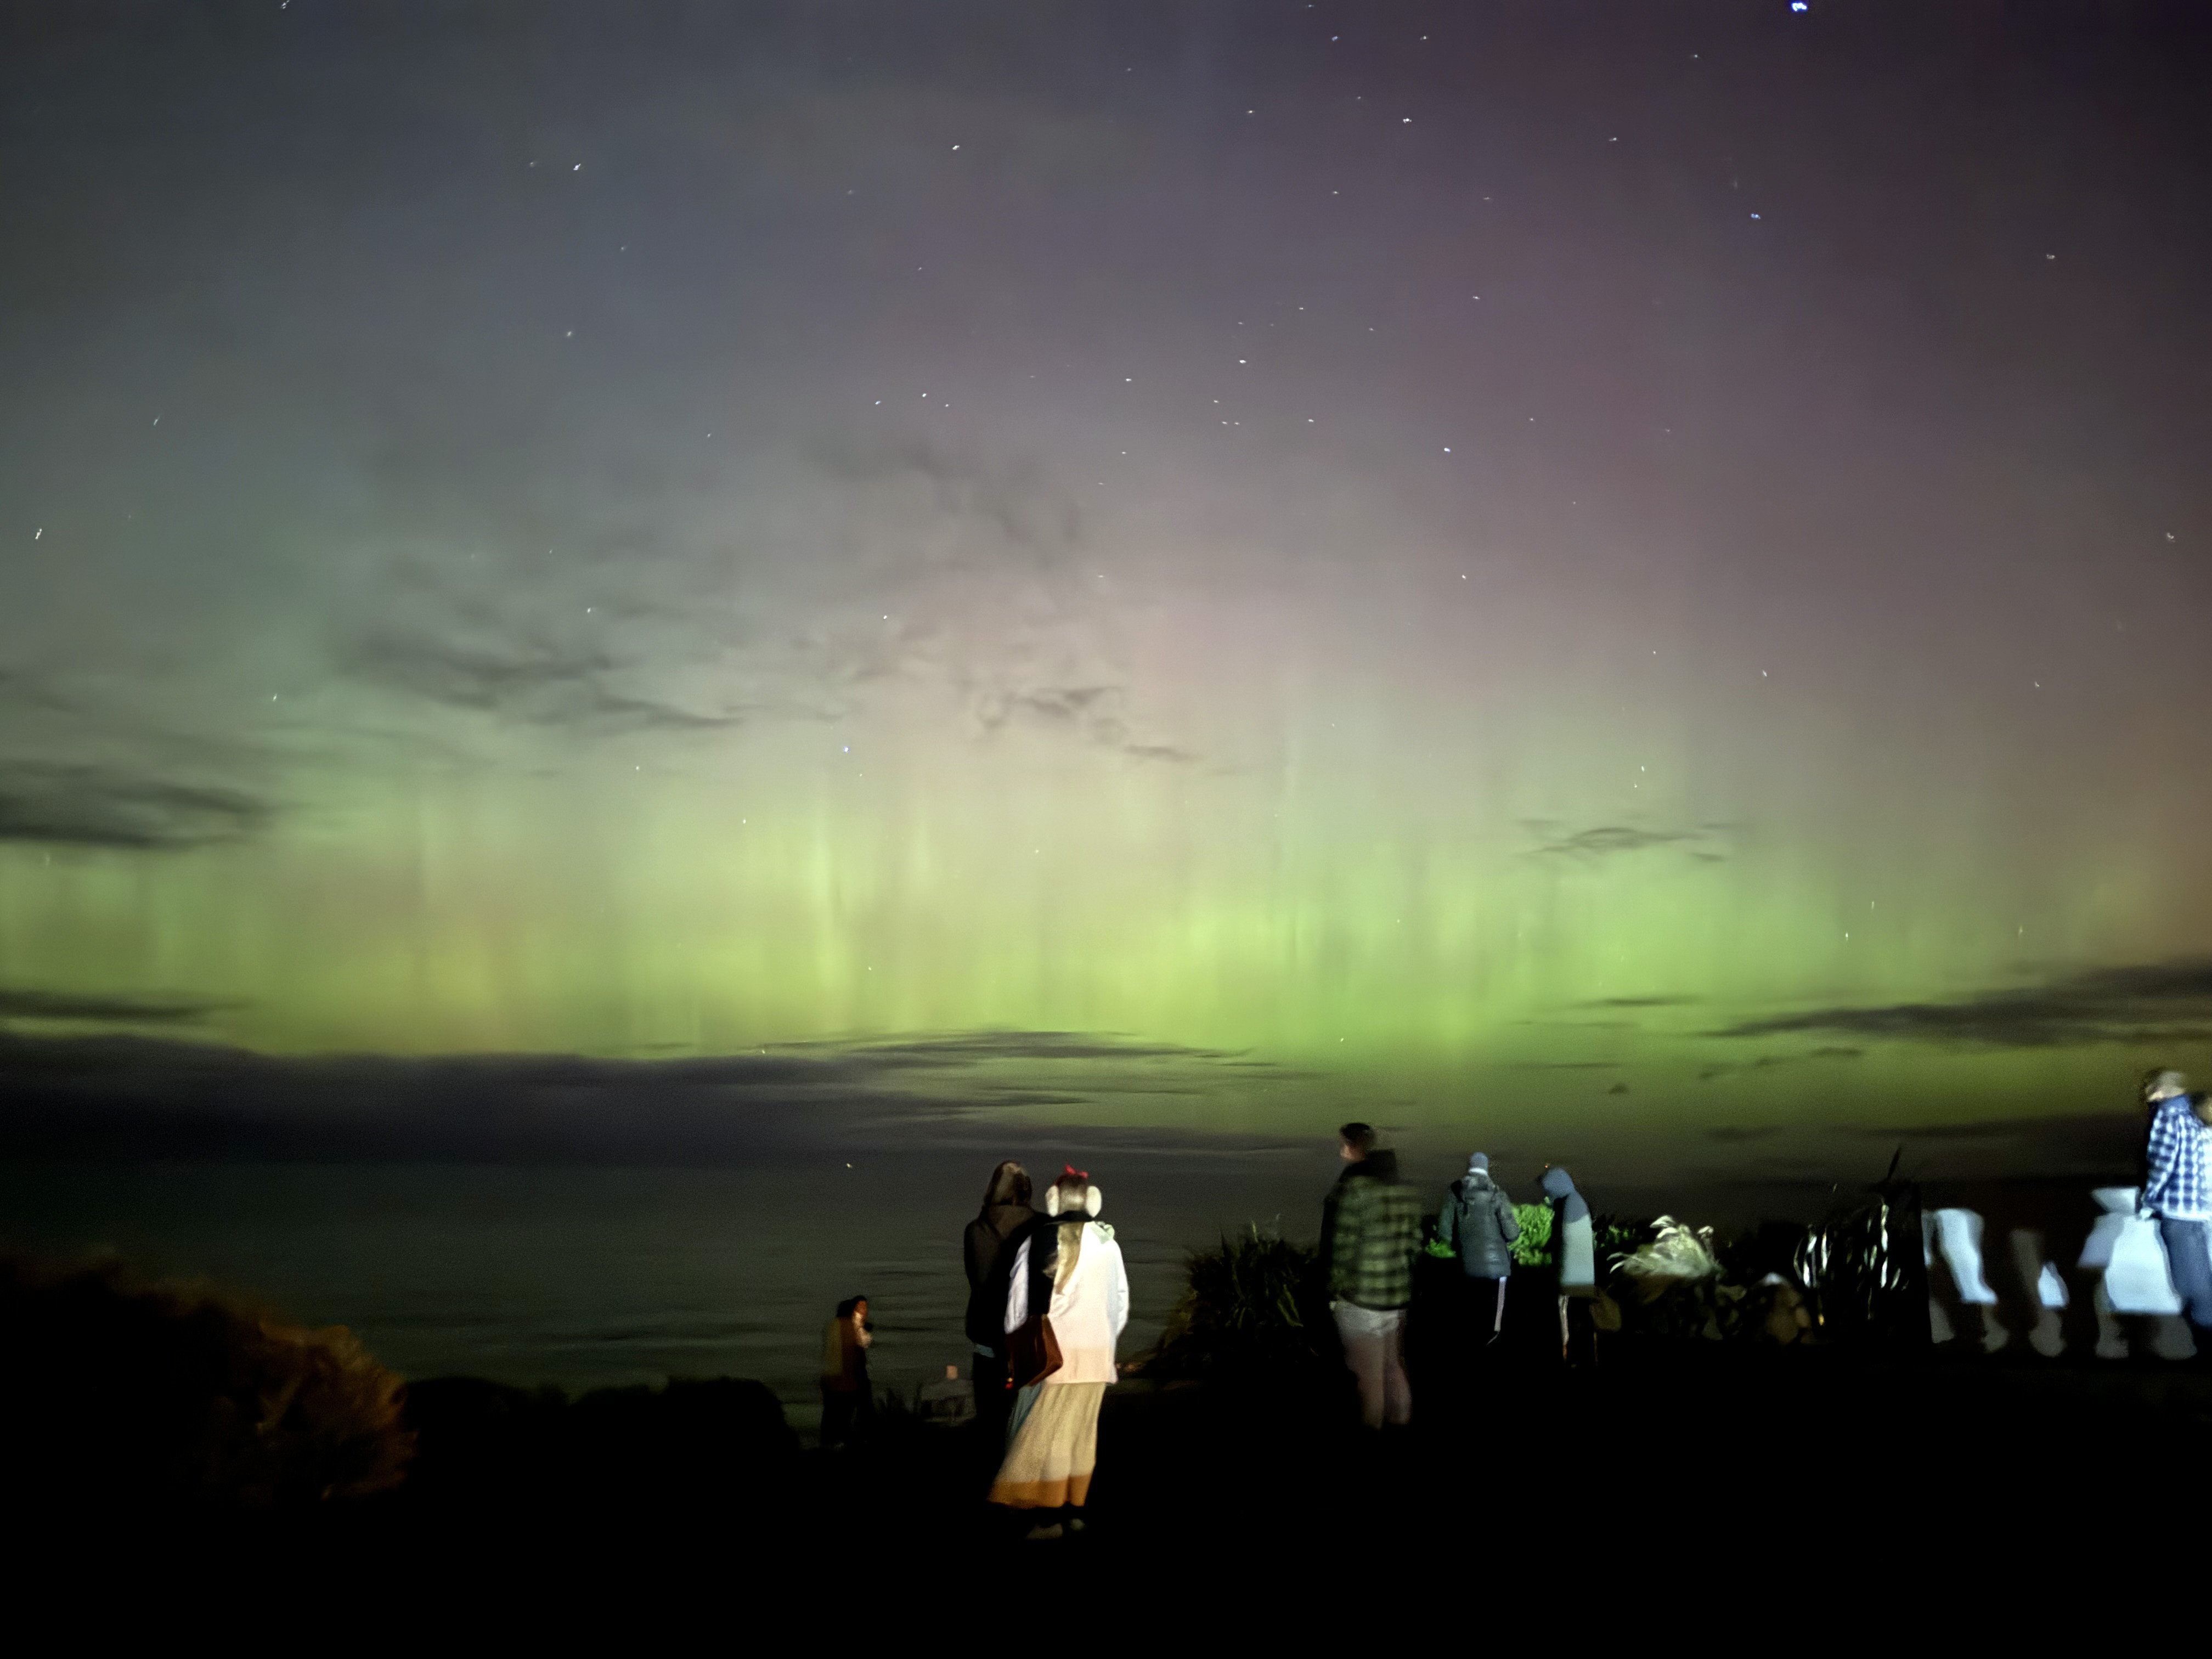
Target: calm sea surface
[{"x": 587, "y": 1276}]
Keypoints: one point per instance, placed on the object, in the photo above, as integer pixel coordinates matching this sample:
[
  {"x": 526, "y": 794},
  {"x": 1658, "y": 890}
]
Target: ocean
[{"x": 586, "y": 1277}]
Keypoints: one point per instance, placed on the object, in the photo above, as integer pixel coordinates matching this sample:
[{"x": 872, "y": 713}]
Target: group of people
[
  {"x": 1372, "y": 1234},
  {"x": 1048, "y": 1299},
  {"x": 1048, "y": 1293}
]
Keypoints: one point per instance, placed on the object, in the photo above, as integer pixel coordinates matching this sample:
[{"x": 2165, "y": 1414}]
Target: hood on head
[{"x": 1560, "y": 1188}]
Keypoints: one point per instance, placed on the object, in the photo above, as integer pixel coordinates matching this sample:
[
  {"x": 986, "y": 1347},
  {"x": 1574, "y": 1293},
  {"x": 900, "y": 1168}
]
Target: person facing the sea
[
  {"x": 847, "y": 1401},
  {"x": 2177, "y": 1192},
  {"x": 1370, "y": 1229},
  {"x": 1575, "y": 1246},
  {"x": 1067, "y": 1300},
  {"x": 992, "y": 1239},
  {"x": 1477, "y": 1224}
]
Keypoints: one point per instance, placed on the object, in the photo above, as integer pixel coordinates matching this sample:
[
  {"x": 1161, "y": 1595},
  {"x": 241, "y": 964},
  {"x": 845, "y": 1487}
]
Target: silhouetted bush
[
  {"x": 120, "y": 1393},
  {"x": 1256, "y": 1302},
  {"x": 1532, "y": 1248}
]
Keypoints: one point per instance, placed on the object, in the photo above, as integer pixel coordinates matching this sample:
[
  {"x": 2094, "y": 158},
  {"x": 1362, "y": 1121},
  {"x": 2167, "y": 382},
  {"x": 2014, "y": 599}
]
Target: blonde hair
[{"x": 1072, "y": 1193}]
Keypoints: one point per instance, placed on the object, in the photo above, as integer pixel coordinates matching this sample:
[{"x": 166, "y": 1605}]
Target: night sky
[{"x": 1632, "y": 567}]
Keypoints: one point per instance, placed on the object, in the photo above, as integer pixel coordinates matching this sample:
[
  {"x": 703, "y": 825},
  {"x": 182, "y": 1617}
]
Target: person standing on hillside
[
  {"x": 1477, "y": 1224},
  {"x": 2177, "y": 1192},
  {"x": 1574, "y": 1246},
  {"x": 1067, "y": 1302},
  {"x": 990, "y": 1248},
  {"x": 848, "y": 1398},
  {"x": 1370, "y": 1229}
]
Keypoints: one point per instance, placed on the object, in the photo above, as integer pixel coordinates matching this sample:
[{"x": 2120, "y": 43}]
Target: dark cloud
[
  {"x": 968, "y": 1048},
  {"x": 1638, "y": 1002},
  {"x": 1093, "y": 711},
  {"x": 1768, "y": 1062},
  {"x": 1605, "y": 840},
  {"x": 126, "y": 1096},
  {"x": 534, "y": 682},
  {"x": 1567, "y": 1065},
  {"x": 63, "y": 1006},
  {"x": 2151, "y": 1002},
  {"x": 92, "y": 806}
]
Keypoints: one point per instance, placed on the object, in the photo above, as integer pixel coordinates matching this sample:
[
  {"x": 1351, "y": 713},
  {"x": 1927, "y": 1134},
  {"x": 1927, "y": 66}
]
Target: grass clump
[{"x": 1256, "y": 1303}]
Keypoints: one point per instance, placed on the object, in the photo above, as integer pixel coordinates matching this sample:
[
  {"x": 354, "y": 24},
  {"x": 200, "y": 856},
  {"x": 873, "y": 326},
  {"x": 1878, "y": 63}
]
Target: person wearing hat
[
  {"x": 2177, "y": 1192},
  {"x": 1067, "y": 1301},
  {"x": 1477, "y": 1224}
]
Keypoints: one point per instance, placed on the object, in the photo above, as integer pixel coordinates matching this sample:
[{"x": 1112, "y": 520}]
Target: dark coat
[
  {"x": 1478, "y": 1222},
  {"x": 993, "y": 1238}
]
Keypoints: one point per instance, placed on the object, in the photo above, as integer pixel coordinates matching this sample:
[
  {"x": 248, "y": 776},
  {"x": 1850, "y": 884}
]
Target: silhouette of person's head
[
  {"x": 2160, "y": 1084},
  {"x": 1009, "y": 1184}
]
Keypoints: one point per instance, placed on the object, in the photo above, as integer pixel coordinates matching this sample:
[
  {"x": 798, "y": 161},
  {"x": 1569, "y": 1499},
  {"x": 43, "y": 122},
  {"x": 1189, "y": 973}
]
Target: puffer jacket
[{"x": 1478, "y": 1222}]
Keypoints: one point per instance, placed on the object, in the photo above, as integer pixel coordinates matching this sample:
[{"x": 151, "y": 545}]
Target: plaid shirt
[
  {"x": 1374, "y": 1230},
  {"x": 2175, "y": 1185}
]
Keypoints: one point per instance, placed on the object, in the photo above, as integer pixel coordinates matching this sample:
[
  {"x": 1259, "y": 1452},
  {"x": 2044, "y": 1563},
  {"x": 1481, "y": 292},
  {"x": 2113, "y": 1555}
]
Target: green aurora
[{"x": 744, "y": 543}]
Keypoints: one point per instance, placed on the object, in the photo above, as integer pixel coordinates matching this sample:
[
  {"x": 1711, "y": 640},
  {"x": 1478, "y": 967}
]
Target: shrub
[
  {"x": 1534, "y": 1247},
  {"x": 1256, "y": 1302},
  {"x": 151, "y": 1393}
]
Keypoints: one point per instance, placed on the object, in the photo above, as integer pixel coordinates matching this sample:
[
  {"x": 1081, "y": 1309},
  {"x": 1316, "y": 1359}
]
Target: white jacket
[{"x": 1087, "y": 1312}]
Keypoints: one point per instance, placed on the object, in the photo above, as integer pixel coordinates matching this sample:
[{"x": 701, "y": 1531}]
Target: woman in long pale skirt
[{"x": 1069, "y": 1268}]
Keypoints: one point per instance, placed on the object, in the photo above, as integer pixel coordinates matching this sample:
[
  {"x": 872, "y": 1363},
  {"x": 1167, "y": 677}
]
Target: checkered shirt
[{"x": 2176, "y": 1185}]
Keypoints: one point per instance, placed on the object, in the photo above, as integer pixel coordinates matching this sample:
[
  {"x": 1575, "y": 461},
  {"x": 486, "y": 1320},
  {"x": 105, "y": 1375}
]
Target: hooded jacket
[
  {"x": 1571, "y": 1235},
  {"x": 1478, "y": 1222},
  {"x": 992, "y": 1239}
]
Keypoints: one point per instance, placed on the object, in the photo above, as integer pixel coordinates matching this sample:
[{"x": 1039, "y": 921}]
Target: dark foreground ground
[{"x": 1679, "y": 1450}]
